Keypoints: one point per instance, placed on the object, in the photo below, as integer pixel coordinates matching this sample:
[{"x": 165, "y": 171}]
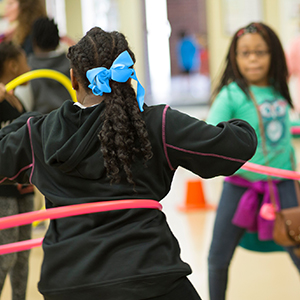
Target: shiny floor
[{"x": 253, "y": 275}]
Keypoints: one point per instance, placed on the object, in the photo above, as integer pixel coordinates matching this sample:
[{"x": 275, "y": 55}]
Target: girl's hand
[
  {"x": 10, "y": 98},
  {"x": 2, "y": 92}
]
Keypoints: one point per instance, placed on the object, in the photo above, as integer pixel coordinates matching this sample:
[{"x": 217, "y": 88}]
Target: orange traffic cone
[{"x": 195, "y": 199}]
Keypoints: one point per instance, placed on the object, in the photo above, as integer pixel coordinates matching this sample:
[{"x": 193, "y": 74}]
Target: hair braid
[{"x": 123, "y": 135}]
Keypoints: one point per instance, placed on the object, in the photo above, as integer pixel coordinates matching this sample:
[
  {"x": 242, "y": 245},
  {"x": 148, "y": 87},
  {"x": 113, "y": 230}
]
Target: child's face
[
  {"x": 253, "y": 59},
  {"x": 11, "y": 10}
]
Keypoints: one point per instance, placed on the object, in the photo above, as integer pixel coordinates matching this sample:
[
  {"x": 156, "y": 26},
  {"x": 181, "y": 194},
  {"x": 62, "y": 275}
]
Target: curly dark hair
[
  {"x": 8, "y": 51},
  {"x": 123, "y": 135},
  {"x": 45, "y": 34},
  {"x": 278, "y": 73}
]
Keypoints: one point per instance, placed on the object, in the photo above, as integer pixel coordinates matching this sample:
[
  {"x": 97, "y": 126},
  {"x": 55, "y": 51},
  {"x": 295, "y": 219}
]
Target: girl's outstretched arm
[{"x": 205, "y": 149}]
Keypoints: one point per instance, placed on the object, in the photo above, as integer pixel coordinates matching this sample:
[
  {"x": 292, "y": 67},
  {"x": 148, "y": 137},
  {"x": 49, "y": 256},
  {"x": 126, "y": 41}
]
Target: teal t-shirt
[{"x": 232, "y": 102}]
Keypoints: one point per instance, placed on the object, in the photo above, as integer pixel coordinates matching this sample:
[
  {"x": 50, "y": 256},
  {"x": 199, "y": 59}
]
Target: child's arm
[
  {"x": 10, "y": 98},
  {"x": 16, "y": 154},
  {"x": 205, "y": 149},
  {"x": 18, "y": 123}
]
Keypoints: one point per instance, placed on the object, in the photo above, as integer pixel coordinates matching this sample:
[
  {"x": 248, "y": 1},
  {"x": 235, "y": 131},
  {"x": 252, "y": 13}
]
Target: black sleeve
[
  {"x": 17, "y": 123},
  {"x": 205, "y": 149},
  {"x": 16, "y": 154}
]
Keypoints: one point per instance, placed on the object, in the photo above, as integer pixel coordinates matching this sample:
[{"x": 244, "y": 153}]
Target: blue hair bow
[{"x": 120, "y": 72}]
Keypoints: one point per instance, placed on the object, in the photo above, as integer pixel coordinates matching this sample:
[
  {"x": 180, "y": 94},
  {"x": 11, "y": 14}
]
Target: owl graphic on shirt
[{"x": 274, "y": 114}]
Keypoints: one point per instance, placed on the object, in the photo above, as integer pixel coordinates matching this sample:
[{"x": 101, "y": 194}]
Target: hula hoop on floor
[
  {"x": 62, "y": 212},
  {"x": 43, "y": 73}
]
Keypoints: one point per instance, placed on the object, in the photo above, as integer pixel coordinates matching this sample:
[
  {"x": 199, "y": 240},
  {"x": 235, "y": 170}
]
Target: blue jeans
[{"x": 226, "y": 236}]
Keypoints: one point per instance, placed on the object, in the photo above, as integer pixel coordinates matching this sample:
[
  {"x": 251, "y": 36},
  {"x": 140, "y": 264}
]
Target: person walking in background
[
  {"x": 14, "y": 198},
  {"x": 48, "y": 94},
  {"x": 187, "y": 53},
  {"x": 188, "y": 58},
  {"x": 254, "y": 88},
  {"x": 111, "y": 146}
]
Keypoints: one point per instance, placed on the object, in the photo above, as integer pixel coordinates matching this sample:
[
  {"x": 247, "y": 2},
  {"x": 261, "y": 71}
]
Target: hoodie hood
[{"x": 70, "y": 134}]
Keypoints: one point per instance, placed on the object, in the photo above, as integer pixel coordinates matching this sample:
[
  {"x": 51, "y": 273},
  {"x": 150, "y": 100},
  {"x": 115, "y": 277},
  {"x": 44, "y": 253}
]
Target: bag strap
[
  {"x": 297, "y": 189},
  {"x": 263, "y": 139}
]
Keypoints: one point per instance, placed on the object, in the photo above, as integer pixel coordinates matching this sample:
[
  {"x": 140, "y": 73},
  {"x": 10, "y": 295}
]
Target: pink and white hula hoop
[
  {"x": 271, "y": 171},
  {"x": 86, "y": 208},
  {"x": 62, "y": 212}
]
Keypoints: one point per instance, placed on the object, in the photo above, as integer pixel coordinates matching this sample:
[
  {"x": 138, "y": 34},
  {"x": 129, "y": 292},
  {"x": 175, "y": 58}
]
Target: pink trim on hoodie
[
  {"x": 164, "y": 136},
  {"x": 32, "y": 153},
  {"x": 26, "y": 167},
  {"x": 165, "y": 145},
  {"x": 206, "y": 154}
]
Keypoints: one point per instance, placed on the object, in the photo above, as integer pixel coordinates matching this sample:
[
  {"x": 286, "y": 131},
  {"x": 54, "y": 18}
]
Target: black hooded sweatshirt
[{"x": 123, "y": 254}]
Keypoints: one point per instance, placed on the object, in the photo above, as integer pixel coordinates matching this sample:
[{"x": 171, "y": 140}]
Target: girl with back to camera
[
  {"x": 254, "y": 88},
  {"x": 111, "y": 146}
]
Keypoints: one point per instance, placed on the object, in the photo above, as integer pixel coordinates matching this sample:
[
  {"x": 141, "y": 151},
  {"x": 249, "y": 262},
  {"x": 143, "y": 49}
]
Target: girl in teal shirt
[{"x": 255, "y": 69}]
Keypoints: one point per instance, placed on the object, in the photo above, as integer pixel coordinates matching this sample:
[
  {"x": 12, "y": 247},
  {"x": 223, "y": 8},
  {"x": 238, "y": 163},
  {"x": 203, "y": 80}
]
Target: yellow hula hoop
[{"x": 43, "y": 73}]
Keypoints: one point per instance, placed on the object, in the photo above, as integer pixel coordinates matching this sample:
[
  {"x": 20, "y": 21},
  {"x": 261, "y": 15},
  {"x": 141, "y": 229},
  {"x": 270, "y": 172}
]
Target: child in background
[
  {"x": 188, "y": 53},
  {"x": 111, "y": 146},
  {"x": 48, "y": 94},
  {"x": 14, "y": 199},
  {"x": 23, "y": 13},
  {"x": 255, "y": 71}
]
